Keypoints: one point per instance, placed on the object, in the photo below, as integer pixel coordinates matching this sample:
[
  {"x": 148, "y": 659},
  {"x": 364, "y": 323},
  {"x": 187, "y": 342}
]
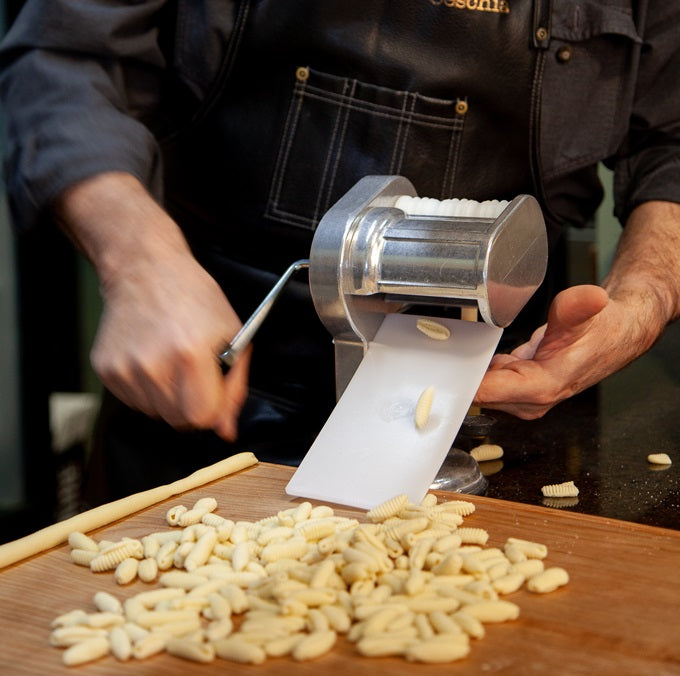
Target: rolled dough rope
[{"x": 55, "y": 534}]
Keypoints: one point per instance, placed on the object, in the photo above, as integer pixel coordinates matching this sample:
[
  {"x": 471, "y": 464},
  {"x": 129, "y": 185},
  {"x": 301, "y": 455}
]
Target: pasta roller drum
[{"x": 381, "y": 249}]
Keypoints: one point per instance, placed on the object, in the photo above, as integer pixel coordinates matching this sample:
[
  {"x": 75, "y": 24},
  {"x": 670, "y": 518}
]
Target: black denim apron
[{"x": 314, "y": 96}]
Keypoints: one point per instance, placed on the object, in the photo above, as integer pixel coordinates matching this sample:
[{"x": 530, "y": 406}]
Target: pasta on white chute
[
  {"x": 423, "y": 407},
  {"x": 410, "y": 581}
]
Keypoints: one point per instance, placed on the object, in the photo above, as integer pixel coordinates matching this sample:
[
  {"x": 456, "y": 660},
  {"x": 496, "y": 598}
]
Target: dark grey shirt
[{"x": 92, "y": 85}]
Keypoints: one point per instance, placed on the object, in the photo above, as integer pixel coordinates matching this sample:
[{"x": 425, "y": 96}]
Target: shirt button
[{"x": 564, "y": 53}]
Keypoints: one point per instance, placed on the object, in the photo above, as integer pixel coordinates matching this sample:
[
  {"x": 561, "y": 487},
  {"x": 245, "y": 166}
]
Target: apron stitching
[
  {"x": 535, "y": 136},
  {"x": 329, "y": 154},
  {"x": 338, "y": 155},
  {"x": 452, "y": 160},
  {"x": 408, "y": 128},
  {"x": 218, "y": 85},
  {"x": 436, "y": 121},
  {"x": 282, "y": 158},
  {"x": 393, "y": 159}
]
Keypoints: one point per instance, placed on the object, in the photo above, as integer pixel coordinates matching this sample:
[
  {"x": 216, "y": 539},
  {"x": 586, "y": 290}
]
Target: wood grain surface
[{"x": 620, "y": 614}]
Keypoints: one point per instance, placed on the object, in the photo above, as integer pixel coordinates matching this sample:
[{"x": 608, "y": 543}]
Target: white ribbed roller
[{"x": 429, "y": 206}]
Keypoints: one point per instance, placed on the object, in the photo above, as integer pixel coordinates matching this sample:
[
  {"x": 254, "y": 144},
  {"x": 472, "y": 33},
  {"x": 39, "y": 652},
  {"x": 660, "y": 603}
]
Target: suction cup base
[{"x": 460, "y": 473}]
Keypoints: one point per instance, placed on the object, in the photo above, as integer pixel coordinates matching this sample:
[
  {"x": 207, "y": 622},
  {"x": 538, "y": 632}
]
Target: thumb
[{"x": 575, "y": 306}]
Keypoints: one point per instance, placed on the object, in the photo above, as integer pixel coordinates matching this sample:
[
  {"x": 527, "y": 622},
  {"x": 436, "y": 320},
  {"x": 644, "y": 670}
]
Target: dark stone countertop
[{"x": 600, "y": 439}]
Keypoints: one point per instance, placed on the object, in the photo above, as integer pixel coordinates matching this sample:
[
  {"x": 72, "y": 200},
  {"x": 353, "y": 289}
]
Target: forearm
[
  {"x": 118, "y": 226},
  {"x": 164, "y": 318},
  {"x": 645, "y": 274}
]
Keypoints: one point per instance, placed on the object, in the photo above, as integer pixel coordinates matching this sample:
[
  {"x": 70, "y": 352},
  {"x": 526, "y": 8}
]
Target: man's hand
[
  {"x": 594, "y": 331},
  {"x": 571, "y": 352},
  {"x": 157, "y": 344},
  {"x": 165, "y": 319}
]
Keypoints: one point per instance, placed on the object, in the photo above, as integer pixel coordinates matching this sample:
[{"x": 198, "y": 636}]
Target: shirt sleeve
[
  {"x": 647, "y": 166},
  {"x": 78, "y": 80}
]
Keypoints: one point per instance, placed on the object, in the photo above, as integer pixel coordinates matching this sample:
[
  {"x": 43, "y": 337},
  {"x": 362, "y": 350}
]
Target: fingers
[
  {"x": 519, "y": 387},
  {"x": 558, "y": 361},
  {"x": 234, "y": 392}
]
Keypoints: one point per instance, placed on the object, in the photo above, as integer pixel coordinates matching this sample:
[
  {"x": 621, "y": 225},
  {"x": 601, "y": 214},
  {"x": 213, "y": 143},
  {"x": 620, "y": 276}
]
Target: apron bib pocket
[{"x": 338, "y": 130}]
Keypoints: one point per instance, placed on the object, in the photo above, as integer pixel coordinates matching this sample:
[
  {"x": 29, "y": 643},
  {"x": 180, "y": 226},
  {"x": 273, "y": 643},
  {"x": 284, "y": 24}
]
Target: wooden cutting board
[{"x": 620, "y": 614}]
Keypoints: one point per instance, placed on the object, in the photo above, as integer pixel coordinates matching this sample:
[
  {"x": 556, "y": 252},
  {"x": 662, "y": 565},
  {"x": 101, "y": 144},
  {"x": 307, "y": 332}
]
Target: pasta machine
[{"x": 381, "y": 249}]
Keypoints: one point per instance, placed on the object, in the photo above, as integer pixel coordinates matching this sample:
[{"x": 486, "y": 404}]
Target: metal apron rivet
[
  {"x": 564, "y": 54},
  {"x": 541, "y": 34},
  {"x": 302, "y": 73}
]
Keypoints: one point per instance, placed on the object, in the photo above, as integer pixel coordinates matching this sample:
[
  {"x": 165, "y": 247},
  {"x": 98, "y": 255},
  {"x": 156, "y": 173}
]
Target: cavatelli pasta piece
[
  {"x": 134, "y": 631},
  {"x": 290, "y": 549},
  {"x": 302, "y": 512},
  {"x": 238, "y": 600},
  {"x": 196, "y": 513},
  {"x": 155, "y": 618},
  {"x": 485, "y": 452},
  {"x": 190, "y": 650},
  {"x": 433, "y": 329},
  {"x": 508, "y": 583},
  {"x": 559, "y": 503},
  {"x": 200, "y": 552},
  {"x": 443, "y": 623},
  {"x": 387, "y": 509},
  {"x": 549, "y": 580},
  {"x": 314, "y": 645},
  {"x": 83, "y": 557},
  {"x": 383, "y": 646},
  {"x": 120, "y": 643},
  {"x": 321, "y": 512},
  {"x": 276, "y": 533},
  {"x": 64, "y": 637},
  {"x": 109, "y": 558},
  {"x": 181, "y": 579},
  {"x": 107, "y": 603},
  {"x": 316, "y": 530},
  {"x": 151, "y": 644},
  {"x": 237, "y": 649},
  {"x": 398, "y": 530},
  {"x": 77, "y": 616},
  {"x": 436, "y": 650},
  {"x": 172, "y": 516},
  {"x": 218, "y": 629},
  {"x": 493, "y": 611},
  {"x": 147, "y": 570},
  {"x": 215, "y": 520},
  {"x": 476, "y": 536},
  {"x": 423, "y": 407},
  {"x": 338, "y": 618},
  {"x": 282, "y": 645},
  {"x": 532, "y": 550},
  {"x": 659, "y": 459},
  {"x": 462, "y": 507},
  {"x": 165, "y": 557},
  {"x": 469, "y": 624},
  {"x": 528, "y": 567},
  {"x": 86, "y": 651},
  {"x": 566, "y": 489},
  {"x": 78, "y": 540},
  {"x": 317, "y": 621}
]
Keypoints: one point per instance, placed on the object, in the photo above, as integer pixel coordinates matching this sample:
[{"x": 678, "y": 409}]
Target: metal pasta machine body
[{"x": 381, "y": 249}]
